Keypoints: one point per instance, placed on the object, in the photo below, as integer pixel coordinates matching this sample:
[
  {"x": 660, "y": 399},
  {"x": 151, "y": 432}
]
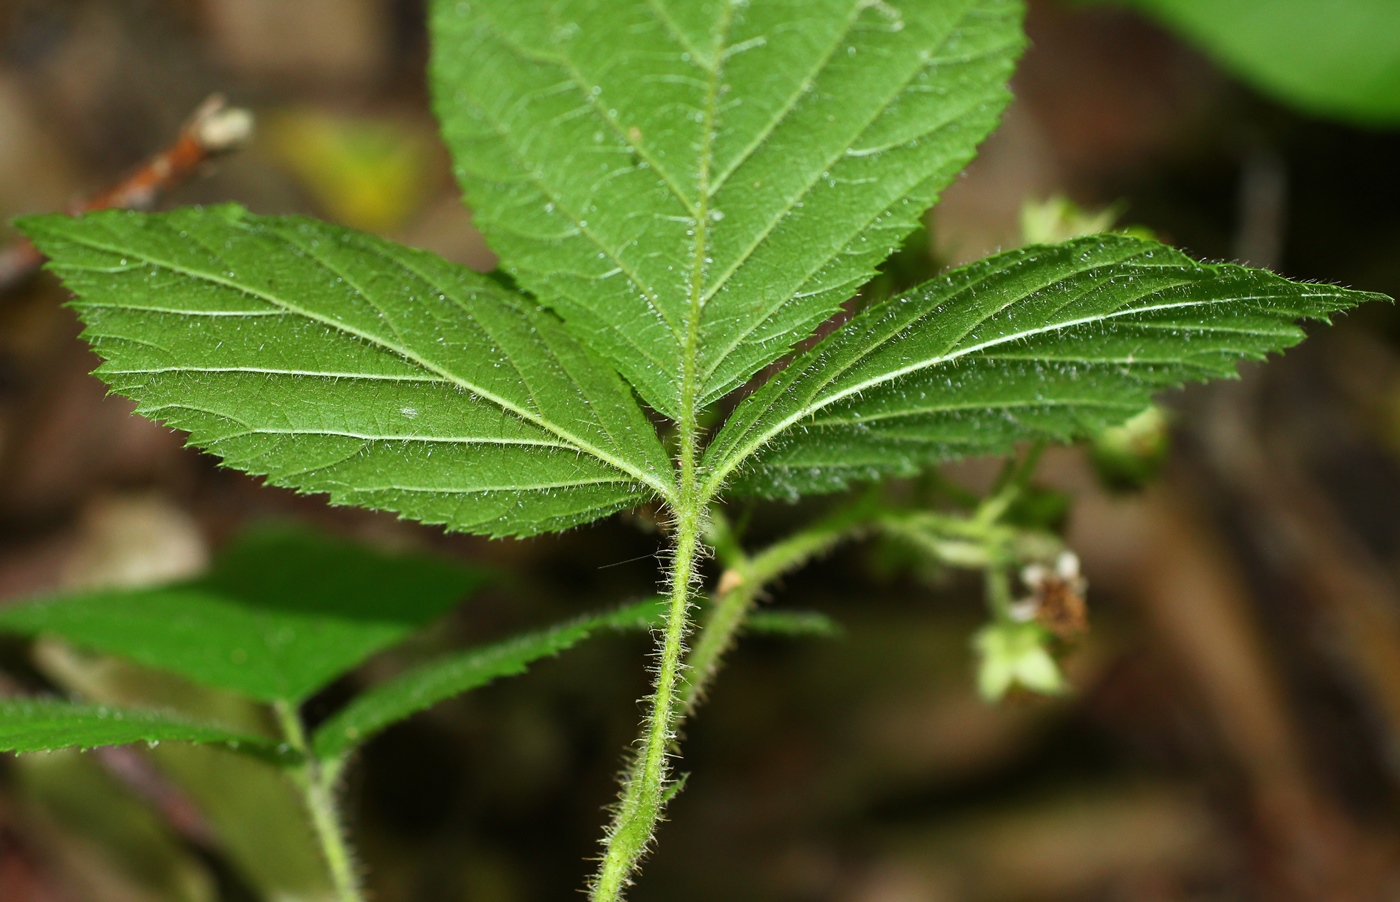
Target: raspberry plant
[{"x": 680, "y": 192}]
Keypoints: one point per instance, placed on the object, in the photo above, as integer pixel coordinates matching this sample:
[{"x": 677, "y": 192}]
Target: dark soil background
[{"x": 1235, "y": 734}]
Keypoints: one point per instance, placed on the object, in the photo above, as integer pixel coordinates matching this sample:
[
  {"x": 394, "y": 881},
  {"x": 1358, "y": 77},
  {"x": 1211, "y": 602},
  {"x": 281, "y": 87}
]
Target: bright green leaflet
[
  {"x": 425, "y": 686},
  {"x": 1337, "y": 58},
  {"x": 1048, "y": 342},
  {"x": 333, "y": 361},
  {"x": 282, "y": 614},
  {"x": 34, "y": 725},
  {"x": 696, "y": 184}
]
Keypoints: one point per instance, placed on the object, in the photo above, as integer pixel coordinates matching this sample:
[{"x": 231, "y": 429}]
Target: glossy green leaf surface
[
  {"x": 333, "y": 361},
  {"x": 1336, "y": 58},
  {"x": 281, "y": 614},
  {"x": 34, "y": 725},
  {"x": 696, "y": 184},
  {"x": 425, "y": 686},
  {"x": 1044, "y": 342}
]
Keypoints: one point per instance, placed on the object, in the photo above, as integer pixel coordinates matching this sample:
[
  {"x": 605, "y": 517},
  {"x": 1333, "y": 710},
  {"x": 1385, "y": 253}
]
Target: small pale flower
[{"x": 1057, "y": 597}]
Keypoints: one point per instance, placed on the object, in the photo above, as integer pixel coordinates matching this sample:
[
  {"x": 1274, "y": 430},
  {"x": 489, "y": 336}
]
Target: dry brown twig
[{"x": 214, "y": 129}]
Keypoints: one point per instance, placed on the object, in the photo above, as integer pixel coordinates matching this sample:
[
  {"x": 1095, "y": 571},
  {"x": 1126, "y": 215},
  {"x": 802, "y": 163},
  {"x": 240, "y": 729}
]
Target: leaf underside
[
  {"x": 282, "y": 614},
  {"x": 693, "y": 186},
  {"x": 710, "y": 178},
  {"x": 333, "y": 361},
  {"x": 35, "y": 725},
  {"x": 421, "y": 688},
  {"x": 1044, "y": 342}
]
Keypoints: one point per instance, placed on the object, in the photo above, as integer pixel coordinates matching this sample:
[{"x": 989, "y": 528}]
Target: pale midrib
[
  {"x": 974, "y": 278},
  {"x": 661, "y": 171},
  {"x": 400, "y": 439},
  {"x": 466, "y": 311},
  {"x": 690, "y": 385},
  {"x": 674, "y": 29},
  {"x": 980, "y": 274},
  {"x": 767, "y": 316},
  {"x": 732, "y": 460},
  {"x": 781, "y": 115},
  {"x": 271, "y": 371},
  {"x": 971, "y": 405},
  {"x": 577, "y": 80},
  {"x": 783, "y": 212},
  {"x": 718, "y": 361},
  {"x": 1281, "y": 332},
  {"x": 168, "y": 311},
  {"x": 661, "y": 487},
  {"x": 504, "y": 133},
  {"x": 349, "y": 280},
  {"x": 487, "y": 489},
  {"x": 1095, "y": 277}
]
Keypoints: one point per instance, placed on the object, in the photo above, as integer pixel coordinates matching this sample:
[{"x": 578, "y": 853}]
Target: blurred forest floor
[{"x": 1235, "y": 734}]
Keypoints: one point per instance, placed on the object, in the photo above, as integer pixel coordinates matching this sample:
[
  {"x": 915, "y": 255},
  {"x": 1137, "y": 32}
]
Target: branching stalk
[
  {"x": 317, "y": 784},
  {"x": 979, "y": 541},
  {"x": 645, "y": 794},
  {"x": 746, "y": 576}
]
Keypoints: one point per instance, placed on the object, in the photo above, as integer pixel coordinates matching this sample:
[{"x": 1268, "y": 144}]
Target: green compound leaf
[
  {"x": 36, "y": 725},
  {"x": 1336, "y": 59},
  {"x": 694, "y": 185},
  {"x": 1049, "y": 342},
  {"x": 425, "y": 686},
  {"x": 282, "y": 614},
  {"x": 332, "y": 361}
]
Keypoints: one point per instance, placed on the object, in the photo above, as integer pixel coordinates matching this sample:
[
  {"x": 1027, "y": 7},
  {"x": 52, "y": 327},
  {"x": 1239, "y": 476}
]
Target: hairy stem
[
  {"x": 721, "y": 628},
  {"x": 744, "y": 581},
  {"x": 645, "y": 793},
  {"x": 317, "y": 784}
]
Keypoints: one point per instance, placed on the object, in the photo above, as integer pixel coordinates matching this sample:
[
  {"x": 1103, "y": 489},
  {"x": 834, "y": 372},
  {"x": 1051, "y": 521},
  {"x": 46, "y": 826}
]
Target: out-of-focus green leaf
[
  {"x": 425, "y": 686},
  {"x": 258, "y": 815},
  {"x": 1335, "y": 58},
  {"x": 366, "y": 173},
  {"x": 282, "y": 613},
  {"x": 1057, "y": 218},
  {"x": 126, "y": 841},
  {"x": 34, "y": 725},
  {"x": 1128, "y": 456},
  {"x": 792, "y": 623}
]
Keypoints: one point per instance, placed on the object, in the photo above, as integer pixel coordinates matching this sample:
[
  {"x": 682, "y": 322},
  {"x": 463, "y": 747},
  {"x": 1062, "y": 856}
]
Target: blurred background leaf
[
  {"x": 282, "y": 613},
  {"x": 367, "y": 173},
  {"x": 254, "y": 814},
  {"x": 1334, "y": 58},
  {"x": 436, "y": 681},
  {"x": 44, "y": 724}
]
